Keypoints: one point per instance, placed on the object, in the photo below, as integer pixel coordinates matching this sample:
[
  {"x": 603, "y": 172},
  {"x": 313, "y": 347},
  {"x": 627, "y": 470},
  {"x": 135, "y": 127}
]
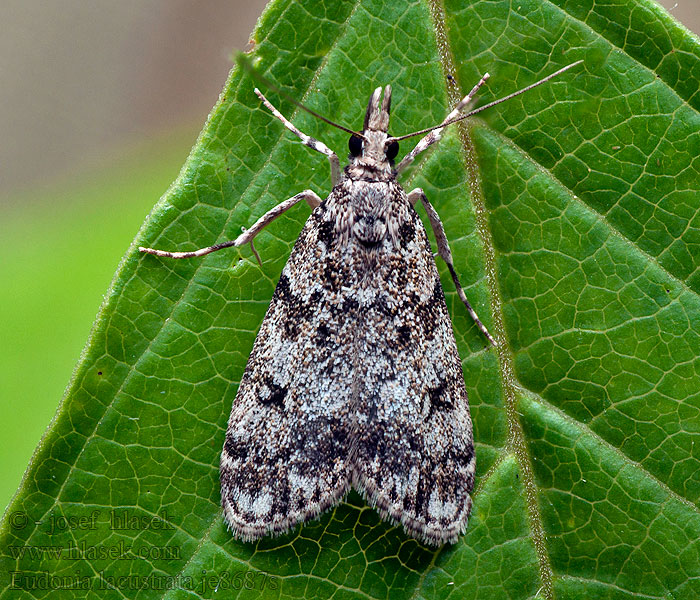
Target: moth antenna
[
  {"x": 244, "y": 62},
  {"x": 489, "y": 105}
]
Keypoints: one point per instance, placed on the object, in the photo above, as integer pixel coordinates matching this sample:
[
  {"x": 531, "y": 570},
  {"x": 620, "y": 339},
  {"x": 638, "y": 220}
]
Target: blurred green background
[{"x": 101, "y": 103}]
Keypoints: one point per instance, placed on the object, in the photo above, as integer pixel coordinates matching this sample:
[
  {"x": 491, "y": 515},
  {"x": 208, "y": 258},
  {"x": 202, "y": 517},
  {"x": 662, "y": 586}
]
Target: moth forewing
[{"x": 354, "y": 379}]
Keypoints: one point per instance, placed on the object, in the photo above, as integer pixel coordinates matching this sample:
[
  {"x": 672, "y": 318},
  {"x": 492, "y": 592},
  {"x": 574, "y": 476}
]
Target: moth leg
[
  {"x": 248, "y": 234},
  {"x": 436, "y": 134},
  {"x": 312, "y": 143},
  {"x": 446, "y": 254}
]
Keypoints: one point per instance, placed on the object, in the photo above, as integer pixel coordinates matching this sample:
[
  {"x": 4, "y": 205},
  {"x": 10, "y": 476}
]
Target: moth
[{"x": 354, "y": 380}]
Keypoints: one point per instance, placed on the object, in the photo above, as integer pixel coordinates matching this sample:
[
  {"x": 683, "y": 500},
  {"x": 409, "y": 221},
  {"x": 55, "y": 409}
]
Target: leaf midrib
[{"x": 516, "y": 443}]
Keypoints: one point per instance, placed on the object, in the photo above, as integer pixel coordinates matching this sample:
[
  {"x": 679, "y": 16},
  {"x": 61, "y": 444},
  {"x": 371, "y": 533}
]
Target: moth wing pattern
[
  {"x": 414, "y": 454},
  {"x": 354, "y": 379},
  {"x": 285, "y": 456}
]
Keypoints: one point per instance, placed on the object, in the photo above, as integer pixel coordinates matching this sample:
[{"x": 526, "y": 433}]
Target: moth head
[{"x": 375, "y": 145}]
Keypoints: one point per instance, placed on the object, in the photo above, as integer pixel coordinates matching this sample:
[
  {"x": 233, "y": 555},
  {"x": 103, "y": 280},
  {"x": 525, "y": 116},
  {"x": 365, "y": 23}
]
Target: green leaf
[{"x": 573, "y": 218}]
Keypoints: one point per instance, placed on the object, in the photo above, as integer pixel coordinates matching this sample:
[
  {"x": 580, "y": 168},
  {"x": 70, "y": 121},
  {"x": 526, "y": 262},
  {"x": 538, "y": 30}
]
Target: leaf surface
[{"x": 573, "y": 218}]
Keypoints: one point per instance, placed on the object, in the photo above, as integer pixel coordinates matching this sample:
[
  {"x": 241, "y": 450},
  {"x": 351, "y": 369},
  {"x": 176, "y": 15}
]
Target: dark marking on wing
[
  {"x": 404, "y": 332},
  {"x": 276, "y": 397},
  {"x": 322, "y": 334},
  {"x": 235, "y": 449},
  {"x": 438, "y": 399},
  {"x": 325, "y": 233},
  {"x": 282, "y": 291},
  {"x": 407, "y": 231},
  {"x": 331, "y": 278},
  {"x": 297, "y": 310},
  {"x": 430, "y": 311}
]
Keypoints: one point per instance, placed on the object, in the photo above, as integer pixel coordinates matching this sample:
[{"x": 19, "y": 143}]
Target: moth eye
[
  {"x": 355, "y": 145},
  {"x": 392, "y": 150}
]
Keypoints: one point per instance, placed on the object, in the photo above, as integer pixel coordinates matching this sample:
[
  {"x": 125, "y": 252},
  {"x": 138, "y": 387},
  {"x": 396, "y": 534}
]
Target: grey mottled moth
[{"x": 354, "y": 380}]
